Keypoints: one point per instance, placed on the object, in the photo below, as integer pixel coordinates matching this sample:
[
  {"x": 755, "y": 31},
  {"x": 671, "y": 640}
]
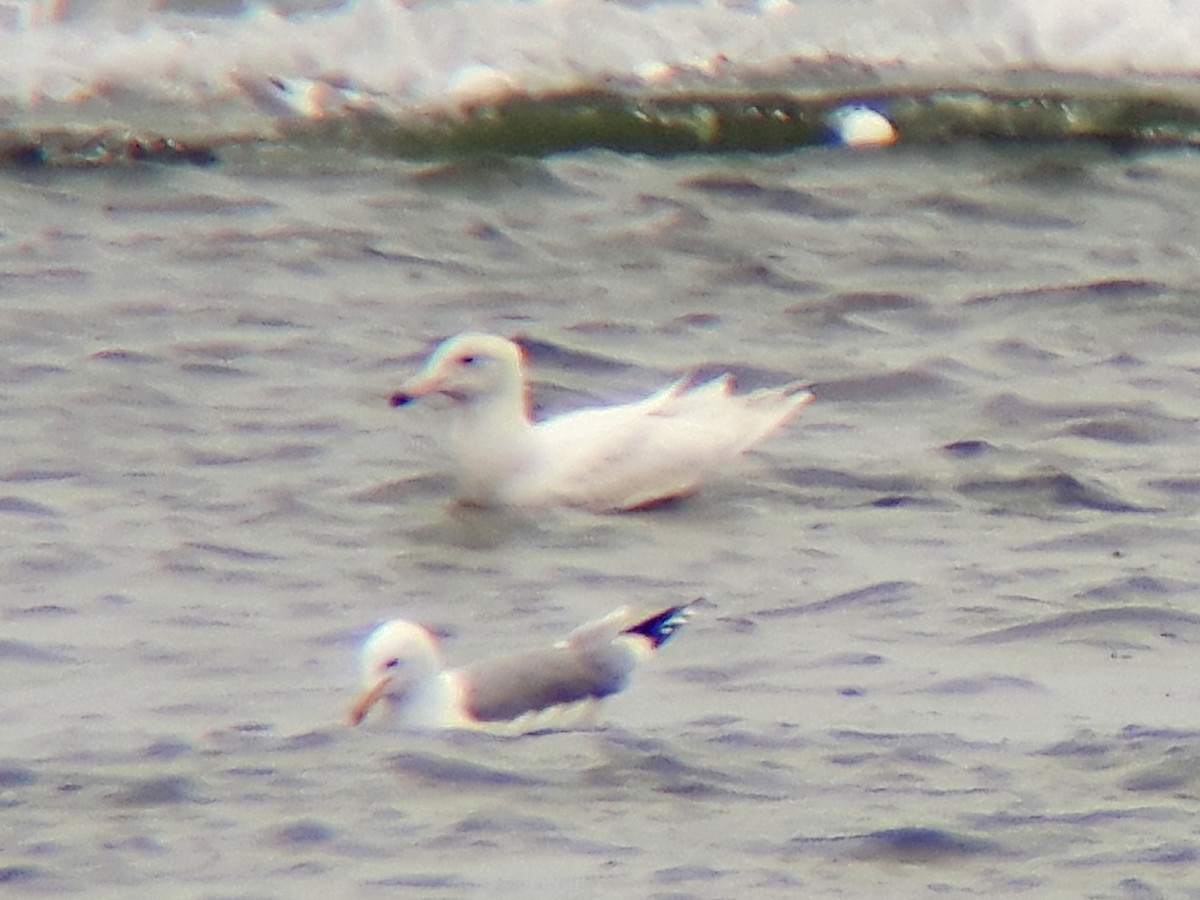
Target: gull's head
[
  {"x": 397, "y": 658},
  {"x": 468, "y": 368}
]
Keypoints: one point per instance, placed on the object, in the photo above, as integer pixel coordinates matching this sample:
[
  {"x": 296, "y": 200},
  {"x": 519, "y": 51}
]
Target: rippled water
[{"x": 950, "y": 613}]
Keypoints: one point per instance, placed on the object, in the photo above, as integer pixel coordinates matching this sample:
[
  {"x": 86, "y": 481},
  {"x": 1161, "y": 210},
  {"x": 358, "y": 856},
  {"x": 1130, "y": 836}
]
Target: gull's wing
[
  {"x": 504, "y": 689},
  {"x": 591, "y": 663},
  {"x": 624, "y": 457}
]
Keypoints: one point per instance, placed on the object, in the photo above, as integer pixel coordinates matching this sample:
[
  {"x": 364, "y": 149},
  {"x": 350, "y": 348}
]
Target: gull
[
  {"x": 403, "y": 670},
  {"x": 603, "y": 459}
]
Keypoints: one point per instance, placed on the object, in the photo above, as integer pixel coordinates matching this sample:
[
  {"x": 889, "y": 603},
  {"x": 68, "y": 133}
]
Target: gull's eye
[
  {"x": 391, "y": 663},
  {"x": 468, "y": 360}
]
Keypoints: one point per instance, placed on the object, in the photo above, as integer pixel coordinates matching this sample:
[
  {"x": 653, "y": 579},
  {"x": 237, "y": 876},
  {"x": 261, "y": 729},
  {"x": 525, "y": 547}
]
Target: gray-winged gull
[
  {"x": 604, "y": 459},
  {"x": 403, "y": 671}
]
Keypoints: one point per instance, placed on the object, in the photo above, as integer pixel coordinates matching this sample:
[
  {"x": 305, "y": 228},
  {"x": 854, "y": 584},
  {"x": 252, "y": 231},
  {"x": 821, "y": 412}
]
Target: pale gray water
[{"x": 206, "y": 501}]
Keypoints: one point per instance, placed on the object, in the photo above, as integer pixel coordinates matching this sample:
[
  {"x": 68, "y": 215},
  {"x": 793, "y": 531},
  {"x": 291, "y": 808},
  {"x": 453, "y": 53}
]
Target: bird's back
[
  {"x": 626, "y": 457},
  {"x": 507, "y": 688}
]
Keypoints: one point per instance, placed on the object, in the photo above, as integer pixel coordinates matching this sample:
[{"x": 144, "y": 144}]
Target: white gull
[
  {"x": 403, "y": 670},
  {"x": 604, "y": 459}
]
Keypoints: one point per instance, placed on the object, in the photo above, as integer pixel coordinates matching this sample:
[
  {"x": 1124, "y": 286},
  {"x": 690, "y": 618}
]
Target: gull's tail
[{"x": 660, "y": 626}]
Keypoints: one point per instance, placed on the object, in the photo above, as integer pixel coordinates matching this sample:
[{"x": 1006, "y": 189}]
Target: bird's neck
[
  {"x": 493, "y": 443},
  {"x": 435, "y": 702}
]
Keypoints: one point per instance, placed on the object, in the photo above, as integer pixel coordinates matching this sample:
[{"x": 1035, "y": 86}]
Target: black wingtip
[
  {"x": 659, "y": 627},
  {"x": 401, "y": 399}
]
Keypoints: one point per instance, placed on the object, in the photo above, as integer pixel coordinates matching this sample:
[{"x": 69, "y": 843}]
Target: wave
[
  {"x": 658, "y": 125},
  {"x": 185, "y": 80}
]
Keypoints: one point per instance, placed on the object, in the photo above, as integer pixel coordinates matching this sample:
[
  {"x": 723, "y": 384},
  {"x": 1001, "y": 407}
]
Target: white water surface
[{"x": 397, "y": 56}]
